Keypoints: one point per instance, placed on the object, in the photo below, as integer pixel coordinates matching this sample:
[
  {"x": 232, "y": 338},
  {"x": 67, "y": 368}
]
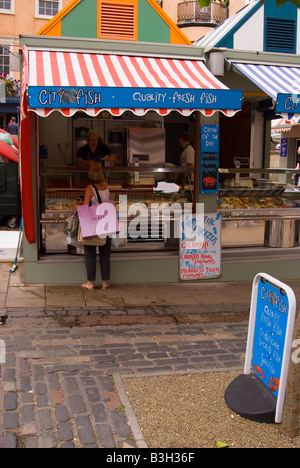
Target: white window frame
[
  {"x": 37, "y": 9},
  {"x": 8, "y": 48},
  {"x": 11, "y": 11}
]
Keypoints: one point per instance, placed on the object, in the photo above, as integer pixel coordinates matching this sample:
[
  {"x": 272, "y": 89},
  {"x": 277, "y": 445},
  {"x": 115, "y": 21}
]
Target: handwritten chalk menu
[
  {"x": 269, "y": 335},
  {"x": 209, "y": 164},
  {"x": 200, "y": 246}
]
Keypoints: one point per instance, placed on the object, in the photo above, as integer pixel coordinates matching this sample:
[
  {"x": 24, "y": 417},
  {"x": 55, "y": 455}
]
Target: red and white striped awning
[
  {"x": 284, "y": 125},
  {"x": 65, "y": 69}
]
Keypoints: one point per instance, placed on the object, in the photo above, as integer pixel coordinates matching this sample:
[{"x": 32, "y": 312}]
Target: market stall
[{"x": 60, "y": 84}]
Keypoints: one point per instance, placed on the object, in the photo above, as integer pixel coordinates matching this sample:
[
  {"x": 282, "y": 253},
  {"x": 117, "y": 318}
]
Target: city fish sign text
[
  {"x": 162, "y": 98},
  {"x": 289, "y": 103}
]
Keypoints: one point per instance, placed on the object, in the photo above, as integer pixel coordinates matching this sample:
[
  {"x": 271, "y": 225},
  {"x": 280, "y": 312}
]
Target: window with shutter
[
  {"x": 280, "y": 35},
  {"x": 4, "y": 60},
  {"x": 118, "y": 20}
]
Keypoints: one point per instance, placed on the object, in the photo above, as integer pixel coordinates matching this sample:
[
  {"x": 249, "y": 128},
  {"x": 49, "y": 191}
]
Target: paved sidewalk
[
  {"x": 58, "y": 383},
  {"x": 127, "y": 303},
  {"x": 68, "y": 350},
  {"x": 15, "y": 294}
]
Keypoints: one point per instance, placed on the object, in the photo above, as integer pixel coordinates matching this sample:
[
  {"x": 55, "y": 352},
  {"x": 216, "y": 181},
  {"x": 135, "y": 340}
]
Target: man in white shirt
[{"x": 187, "y": 158}]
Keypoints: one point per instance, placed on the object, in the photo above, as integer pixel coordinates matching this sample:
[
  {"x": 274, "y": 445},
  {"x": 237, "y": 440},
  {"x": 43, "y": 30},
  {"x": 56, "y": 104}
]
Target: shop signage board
[
  {"x": 200, "y": 246},
  {"x": 209, "y": 161},
  {"x": 115, "y": 97},
  {"x": 270, "y": 335},
  {"x": 283, "y": 147},
  {"x": 289, "y": 103}
]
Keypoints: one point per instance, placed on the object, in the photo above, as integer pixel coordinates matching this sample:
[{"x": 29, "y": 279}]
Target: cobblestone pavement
[{"x": 58, "y": 383}]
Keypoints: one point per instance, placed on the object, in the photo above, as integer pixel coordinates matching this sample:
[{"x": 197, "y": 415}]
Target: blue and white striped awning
[
  {"x": 282, "y": 83},
  {"x": 272, "y": 79},
  {"x": 219, "y": 36}
]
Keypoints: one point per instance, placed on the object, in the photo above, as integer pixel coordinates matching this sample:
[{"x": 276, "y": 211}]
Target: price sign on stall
[
  {"x": 209, "y": 165},
  {"x": 200, "y": 246},
  {"x": 283, "y": 147}
]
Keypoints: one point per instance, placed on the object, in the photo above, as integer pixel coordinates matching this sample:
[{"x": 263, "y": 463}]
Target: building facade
[
  {"x": 259, "y": 26},
  {"x": 194, "y": 22},
  {"x": 19, "y": 17},
  {"x": 130, "y": 20}
]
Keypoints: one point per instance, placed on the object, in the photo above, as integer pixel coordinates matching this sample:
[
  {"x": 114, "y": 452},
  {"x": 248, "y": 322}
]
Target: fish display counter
[
  {"x": 264, "y": 214},
  {"x": 62, "y": 190}
]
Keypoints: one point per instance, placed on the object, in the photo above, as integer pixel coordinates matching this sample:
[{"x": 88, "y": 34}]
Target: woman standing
[{"x": 97, "y": 179}]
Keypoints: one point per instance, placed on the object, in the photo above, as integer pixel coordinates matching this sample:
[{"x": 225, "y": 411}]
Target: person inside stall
[
  {"x": 94, "y": 152},
  {"x": 295, "y": 177},
  {"x": 95, "y": 176},
  {"x": 187, "y": 158}
]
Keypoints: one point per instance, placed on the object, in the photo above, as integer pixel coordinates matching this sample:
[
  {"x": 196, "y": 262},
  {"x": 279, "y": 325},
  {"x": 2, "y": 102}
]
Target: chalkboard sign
[
  {"x": 209, "y": 164},
  {"x": 270, "y": 335},
  {"x": 200, "y": 257}
]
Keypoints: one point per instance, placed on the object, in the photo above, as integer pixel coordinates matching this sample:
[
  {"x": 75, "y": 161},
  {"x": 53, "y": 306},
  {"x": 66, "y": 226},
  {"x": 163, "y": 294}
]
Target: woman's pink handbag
[{"x": 97, "y": 221}]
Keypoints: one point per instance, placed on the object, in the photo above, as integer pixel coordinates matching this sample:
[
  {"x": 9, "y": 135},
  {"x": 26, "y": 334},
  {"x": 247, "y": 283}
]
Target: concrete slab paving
[
  {"x": 19, "y": 295},
  {"x": 70, "y": 296},
  {"x": 14, "y": 293},
  {"x": 110, "y": 297}
]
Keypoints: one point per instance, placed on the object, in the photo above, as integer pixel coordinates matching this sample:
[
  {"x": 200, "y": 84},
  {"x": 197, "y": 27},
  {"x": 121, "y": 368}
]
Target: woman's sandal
[
  {"x": 85, "y": 286},
  {"x": 105, "y": 287}
]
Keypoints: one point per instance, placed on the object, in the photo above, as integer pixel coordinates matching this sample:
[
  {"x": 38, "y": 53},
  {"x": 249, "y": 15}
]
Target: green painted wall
[
  {"x": 165, "y": 270},
  {"x": 151, "y": 27},
  {"x": 81, "y": 21}
]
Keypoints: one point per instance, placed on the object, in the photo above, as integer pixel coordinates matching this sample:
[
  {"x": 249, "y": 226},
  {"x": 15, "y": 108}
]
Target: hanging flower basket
[{"x": 12, "y": 85}]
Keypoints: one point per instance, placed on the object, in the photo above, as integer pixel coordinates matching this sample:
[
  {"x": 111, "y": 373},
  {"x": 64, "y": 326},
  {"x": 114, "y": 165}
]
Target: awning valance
[
  {"x": 90, "y": 82},
  {"x": 284, "y": 125},
  {"x": 281, "y": 83}
]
